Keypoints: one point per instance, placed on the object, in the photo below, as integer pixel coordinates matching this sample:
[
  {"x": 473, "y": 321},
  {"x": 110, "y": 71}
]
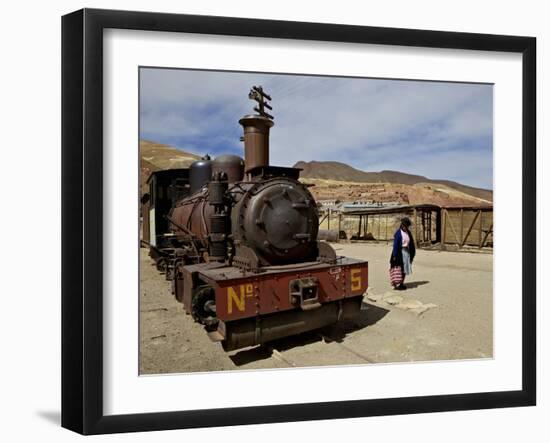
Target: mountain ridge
[
  {"x": 336, "y": 180},
  {"x": 338, "y": 171}
]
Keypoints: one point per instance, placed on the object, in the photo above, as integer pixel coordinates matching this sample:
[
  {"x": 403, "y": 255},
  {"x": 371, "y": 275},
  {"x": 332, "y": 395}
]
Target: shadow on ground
[
  {"x": 416, "y": 284},
  {"x": 368, "y": 315},
  {"x": 54, "y": 417}
]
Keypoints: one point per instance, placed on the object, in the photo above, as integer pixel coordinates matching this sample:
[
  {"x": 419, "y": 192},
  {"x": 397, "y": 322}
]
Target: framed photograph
[{"x": 269, "y": 221}]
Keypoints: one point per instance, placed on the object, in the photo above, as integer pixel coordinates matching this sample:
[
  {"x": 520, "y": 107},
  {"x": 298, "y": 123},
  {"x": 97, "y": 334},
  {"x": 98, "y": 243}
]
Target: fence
[
  {"x": 467, "y": 227},
  {"x": 448, "y": 226}
]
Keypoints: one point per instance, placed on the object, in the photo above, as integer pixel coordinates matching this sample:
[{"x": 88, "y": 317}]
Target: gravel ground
[{"x": 447, "y": 313}]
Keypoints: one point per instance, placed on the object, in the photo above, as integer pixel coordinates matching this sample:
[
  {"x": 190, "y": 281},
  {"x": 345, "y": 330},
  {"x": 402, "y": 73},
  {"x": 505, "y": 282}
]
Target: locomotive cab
[{"x": 165, "y": 188}]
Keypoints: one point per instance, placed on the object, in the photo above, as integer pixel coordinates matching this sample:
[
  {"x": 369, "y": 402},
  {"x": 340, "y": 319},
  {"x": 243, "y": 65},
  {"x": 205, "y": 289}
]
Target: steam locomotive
[{"x": 238, "y": 240}]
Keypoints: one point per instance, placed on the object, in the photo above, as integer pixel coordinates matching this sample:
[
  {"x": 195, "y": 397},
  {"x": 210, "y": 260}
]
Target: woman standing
[{"x": 403, "y": 251}]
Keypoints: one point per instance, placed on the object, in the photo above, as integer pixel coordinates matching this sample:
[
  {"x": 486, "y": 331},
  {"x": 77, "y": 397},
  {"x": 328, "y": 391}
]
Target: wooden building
[{"x": 455, "y": 227}]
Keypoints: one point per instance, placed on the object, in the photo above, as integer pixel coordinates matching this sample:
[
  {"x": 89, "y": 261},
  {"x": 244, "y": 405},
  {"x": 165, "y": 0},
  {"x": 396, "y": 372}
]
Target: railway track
[
  {"x": 277, "y": 355},
  {"x": 283, "y": 357},
  {"x": 328, "y": 339}
]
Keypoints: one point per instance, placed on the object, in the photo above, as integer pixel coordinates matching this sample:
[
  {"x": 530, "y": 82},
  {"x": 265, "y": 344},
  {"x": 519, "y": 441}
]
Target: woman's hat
[{"x": 406, "y": 221}]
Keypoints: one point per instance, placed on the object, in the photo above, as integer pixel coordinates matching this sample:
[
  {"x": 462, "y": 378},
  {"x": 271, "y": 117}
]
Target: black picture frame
[{"x": 82, "y": 216}]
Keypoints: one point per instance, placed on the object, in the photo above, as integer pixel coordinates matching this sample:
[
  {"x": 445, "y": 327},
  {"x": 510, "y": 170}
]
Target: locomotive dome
[{"x": 232, "y": 165}]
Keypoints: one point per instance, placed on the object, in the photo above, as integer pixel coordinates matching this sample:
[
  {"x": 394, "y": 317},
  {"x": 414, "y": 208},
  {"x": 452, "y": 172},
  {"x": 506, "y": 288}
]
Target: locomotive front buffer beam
[
  {"x": 258, "y": 330},
  {"x": 254, "y": 308}
]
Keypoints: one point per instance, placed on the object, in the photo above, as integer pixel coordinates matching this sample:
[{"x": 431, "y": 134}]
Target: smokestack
[
  {"x": 256, "y": 140},
  {"x": 256, "y": 130}
]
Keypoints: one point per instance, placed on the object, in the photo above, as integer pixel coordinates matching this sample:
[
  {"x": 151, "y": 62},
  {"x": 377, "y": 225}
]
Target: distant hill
[
  {"x": 335, "y": 180},
  {"x": 156, "y": 156},
  {"x": 337, "y": 171}
]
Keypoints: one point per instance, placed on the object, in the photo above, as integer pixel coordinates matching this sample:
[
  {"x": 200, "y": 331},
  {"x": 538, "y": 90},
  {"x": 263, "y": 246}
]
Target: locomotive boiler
[{"x": 241, "y": 247}]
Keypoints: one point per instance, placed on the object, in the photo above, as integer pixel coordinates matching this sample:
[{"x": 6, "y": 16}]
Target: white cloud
[{"x": 370, "y": 124}]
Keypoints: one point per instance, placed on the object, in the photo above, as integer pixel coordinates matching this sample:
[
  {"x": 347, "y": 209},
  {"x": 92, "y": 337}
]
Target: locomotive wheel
[
  {"x": 203, "y": 307},
  {"x": 162, "y": 265}
]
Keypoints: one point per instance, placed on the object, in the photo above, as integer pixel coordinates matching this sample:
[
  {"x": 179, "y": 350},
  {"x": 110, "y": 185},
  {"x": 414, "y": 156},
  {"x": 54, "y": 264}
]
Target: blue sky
[{"x": 436, "y": 129}]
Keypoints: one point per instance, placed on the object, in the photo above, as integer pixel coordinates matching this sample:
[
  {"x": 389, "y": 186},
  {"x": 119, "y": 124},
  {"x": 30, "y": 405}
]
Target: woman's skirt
[{"x": 407, "y": 267}]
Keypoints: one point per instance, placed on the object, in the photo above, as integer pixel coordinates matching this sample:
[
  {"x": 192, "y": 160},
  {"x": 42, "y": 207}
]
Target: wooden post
[
  {"x": 328, "y": 220},
  {"x": 465, "y": 237},
  {"x": 415, "y": 226},
  {"x": 461, "y": 227},
  {"x": 486, "y": 236},
  {"x": 443, "y": 227},
  {"x": 429, "y": 220},
  {"x": 359, "y": 230},
  {"x": 480, "y": 227},
  {"x": 339, "y": 224}
]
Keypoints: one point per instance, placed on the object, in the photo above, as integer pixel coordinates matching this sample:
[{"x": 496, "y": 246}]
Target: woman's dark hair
[{"x": 406, "y": 221}]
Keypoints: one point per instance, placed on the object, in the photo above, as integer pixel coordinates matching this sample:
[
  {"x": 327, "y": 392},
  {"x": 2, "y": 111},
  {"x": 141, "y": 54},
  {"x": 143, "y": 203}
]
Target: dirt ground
[{"x": 446, "y": 313}]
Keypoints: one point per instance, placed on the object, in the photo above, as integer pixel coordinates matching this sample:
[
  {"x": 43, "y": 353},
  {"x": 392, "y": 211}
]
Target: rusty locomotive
[{"x": 238, "y": 240}]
